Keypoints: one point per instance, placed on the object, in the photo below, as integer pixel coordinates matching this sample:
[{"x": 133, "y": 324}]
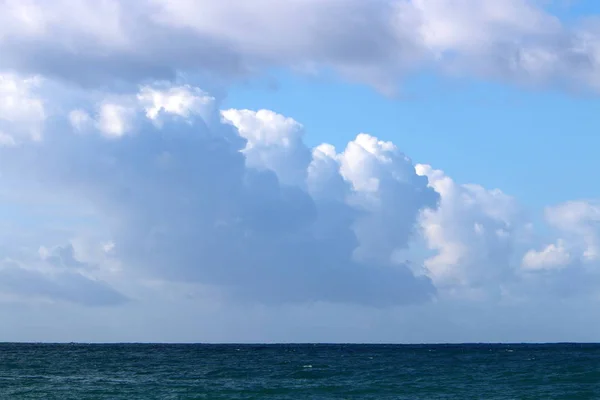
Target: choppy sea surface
[{"x": 153, "y": 371}]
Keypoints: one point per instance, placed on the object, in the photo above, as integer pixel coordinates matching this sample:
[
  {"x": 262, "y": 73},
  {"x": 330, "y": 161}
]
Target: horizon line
[{"x": 301, "y": 343}]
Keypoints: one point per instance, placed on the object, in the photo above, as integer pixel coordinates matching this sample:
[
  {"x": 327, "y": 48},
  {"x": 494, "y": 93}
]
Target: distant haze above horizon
[{"x": 259, "y": 171}]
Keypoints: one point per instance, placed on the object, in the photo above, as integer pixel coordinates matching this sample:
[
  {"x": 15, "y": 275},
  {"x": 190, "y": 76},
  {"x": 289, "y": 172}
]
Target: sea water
[{"x": 154, "y": 371}]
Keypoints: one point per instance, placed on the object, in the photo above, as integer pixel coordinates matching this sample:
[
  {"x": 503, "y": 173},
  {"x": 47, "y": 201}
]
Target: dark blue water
[{"x": 45, "y": 371}]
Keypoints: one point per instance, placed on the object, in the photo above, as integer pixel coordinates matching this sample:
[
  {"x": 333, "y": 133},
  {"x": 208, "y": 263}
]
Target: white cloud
[
  {"x": 180, "y": 100},
  {"x": 196, "y": 202},
  {"x": 580, "y": 220},
  {"x": 116, "y": 115},
  {"x": 273, "y": 142},
  {"x": 375, "y": 42},
  {"x": 79, "y": 119},
  {"x": 553, "y": 256},
  {"x": 450, "y": 25},
  {"x": 385, "y": 185},
  {"x": 241, "y": 188},
  {"x": 22, "y": 112},
  {"x": 324, "y": 180},
  {"x": 473, "y": 233},
  {"x": 376, "y": 179},
  {"x": 114, "y": 120}
]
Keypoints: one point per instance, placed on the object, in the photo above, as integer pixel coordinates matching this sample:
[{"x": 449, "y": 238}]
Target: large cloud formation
[
  {"x": 99, "y": 101},
  {"x": 235, "y": 200},
  {"x": 194, "y": 194}
]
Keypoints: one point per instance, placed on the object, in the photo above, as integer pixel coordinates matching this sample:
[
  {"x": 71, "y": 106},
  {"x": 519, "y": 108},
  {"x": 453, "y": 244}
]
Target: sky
[{"x": 397, "y": 171}]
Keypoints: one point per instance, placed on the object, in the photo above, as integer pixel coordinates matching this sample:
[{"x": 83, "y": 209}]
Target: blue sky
[
  {"x": 336, "y": 171},
  {"x": 572, "y": 10}
]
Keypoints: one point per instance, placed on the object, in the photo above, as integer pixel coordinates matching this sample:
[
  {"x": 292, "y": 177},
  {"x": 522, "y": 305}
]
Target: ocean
[{"x": 156, "y": 371}]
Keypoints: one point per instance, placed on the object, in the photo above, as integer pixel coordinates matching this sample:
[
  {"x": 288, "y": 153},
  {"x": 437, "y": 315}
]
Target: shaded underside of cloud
[
  {"x": 66, "y": 286},
  {"x": 377, "y": 42}
]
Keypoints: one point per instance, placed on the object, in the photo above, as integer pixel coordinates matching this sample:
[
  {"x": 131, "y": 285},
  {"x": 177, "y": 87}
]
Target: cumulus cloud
[
  {"x": 206, "y": 196},
  {"x": 579, "y": 220},
  {"x": 375, "y": 42},
  {"x": 472, "y": 233},
  {"x": 235, "y": 200},
  {"x": 273, "y": 142},
  {"x": 571, "y": 263},
  {"x": 553, "y": 256},
  {"x": 382, "y": 183}
]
